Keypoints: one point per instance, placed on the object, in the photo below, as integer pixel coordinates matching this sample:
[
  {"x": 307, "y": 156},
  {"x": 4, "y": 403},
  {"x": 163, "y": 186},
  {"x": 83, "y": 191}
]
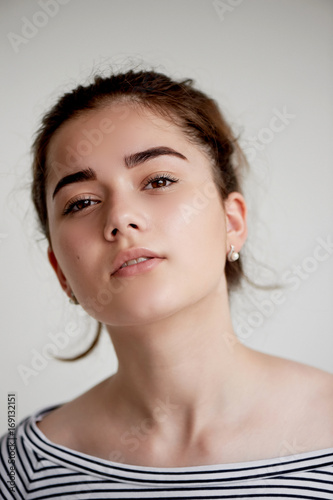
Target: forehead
[
  {"x": 101, "y": 139},
  {"x": 119, "y": 127}
]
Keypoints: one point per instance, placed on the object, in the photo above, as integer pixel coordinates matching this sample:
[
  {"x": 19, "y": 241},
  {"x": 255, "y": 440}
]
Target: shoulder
[
  {"x": 300, "y": 382},
  {"x": 304, "y": 376},
  {"x": 310, "y": 382},
  {"x": 71, "y": 423},
  {"x": 17, "y": 460},
  {"x": 8, "y": 441},
  {"x": 16, "y": 439},
  {"x": 303, "y": 399}
]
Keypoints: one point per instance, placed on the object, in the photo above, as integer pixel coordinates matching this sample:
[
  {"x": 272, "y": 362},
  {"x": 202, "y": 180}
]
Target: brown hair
[{"x": 194, "y": 112}]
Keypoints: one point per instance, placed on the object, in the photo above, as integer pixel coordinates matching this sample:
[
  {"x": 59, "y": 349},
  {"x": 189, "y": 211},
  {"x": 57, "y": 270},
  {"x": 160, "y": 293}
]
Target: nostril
[{"x": 115, "y": 230}]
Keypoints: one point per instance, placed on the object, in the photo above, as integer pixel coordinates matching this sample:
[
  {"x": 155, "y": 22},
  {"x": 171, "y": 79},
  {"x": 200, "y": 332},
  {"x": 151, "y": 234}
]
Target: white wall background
[{"x": 257, "y": 57}]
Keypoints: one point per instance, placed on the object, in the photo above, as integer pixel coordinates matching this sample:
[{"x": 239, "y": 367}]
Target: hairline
[{"x": 163, "y": 111}]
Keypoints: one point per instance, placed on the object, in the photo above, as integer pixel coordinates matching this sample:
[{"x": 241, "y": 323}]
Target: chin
[{"x": 142, "y": 310}]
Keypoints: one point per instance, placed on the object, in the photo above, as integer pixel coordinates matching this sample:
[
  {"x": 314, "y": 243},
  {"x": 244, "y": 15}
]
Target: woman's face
[{"x": 117, "y": 205}]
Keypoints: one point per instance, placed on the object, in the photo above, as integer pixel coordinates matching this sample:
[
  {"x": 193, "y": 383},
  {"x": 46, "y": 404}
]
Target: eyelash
[
  {"x": 157, "y": 177},
  {"x": 70, "y": 208}
]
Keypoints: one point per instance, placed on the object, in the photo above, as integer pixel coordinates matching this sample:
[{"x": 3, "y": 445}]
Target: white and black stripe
[{"x": 44, "y": 470}]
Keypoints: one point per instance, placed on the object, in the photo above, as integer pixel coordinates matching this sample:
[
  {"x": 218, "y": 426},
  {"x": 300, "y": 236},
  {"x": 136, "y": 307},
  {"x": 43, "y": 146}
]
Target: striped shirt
[{"x": 32, "y": 467}]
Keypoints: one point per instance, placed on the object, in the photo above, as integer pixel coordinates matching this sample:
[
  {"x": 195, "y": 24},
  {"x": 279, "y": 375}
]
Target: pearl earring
[
  {"x": 73, "y": 299},
  {"x": 232, "y": 255}
]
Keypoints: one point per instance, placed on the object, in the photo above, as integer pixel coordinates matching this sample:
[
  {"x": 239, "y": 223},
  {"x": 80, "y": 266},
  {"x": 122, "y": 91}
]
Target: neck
[{"x": 191, "y": 361}]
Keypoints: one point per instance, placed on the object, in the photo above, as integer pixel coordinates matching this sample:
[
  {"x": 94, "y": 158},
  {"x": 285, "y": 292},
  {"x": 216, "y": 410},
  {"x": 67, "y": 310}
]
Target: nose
[{"x": 124, "y": 218}]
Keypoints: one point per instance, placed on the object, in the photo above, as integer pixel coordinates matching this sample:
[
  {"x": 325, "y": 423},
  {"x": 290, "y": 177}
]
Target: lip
[{"x": 134, "y": 253}]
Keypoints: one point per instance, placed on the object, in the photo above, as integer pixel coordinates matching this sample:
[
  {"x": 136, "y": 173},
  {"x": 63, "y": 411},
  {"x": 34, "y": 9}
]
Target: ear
[
  {"x": 236, "y": 213},
  {"x": 60, "y": 275}
]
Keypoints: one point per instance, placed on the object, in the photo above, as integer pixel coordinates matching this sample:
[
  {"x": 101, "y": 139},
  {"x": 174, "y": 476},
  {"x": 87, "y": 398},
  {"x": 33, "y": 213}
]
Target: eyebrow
[
  {"x": 137, "y": 158},
  {"x": 131, "y": 161},
  {"x": 83, "y": 175}
]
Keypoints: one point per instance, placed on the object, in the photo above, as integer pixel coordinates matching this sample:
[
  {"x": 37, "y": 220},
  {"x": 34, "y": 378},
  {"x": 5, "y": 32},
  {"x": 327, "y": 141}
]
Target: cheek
[
  {"x": 72, "y": 249},
  {"x": 194, "y": 209},
  {"x": 197, "y": 229}
]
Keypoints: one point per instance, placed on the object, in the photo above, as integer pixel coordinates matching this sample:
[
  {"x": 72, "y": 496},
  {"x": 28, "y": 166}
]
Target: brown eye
[
  {"x": 79, "y": 205},
  {"x": 159, "y": 181}
]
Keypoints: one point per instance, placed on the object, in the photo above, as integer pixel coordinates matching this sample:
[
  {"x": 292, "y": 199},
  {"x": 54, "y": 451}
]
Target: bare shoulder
[
  {"x": 301, "y": 380},
  {"x": 303, "y": 396},
  {"x": 64, "y": 424},
  {"x": 311, "y": 380},
  {"x": 316, "y": 387}
]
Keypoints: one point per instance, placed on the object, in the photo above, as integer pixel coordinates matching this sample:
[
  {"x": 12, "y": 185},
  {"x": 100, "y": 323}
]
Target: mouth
[
  {"x": 137, "y": 266},
  {"x": 133, "y": 260}
]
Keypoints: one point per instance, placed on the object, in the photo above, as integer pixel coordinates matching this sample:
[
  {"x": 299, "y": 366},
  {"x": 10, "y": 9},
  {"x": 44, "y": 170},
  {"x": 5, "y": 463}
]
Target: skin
[{"x": 171, "y": 327}]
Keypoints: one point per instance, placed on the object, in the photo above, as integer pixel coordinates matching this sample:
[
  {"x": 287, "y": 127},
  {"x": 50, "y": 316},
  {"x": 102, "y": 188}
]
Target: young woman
[{"x": 136, "y": 191}]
